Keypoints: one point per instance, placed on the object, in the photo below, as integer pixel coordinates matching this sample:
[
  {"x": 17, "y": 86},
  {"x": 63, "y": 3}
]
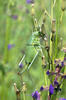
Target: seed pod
[
  {"x": 53, "y": 26},
  {"x": 39, "y": 28},
  {"x": 43, "y": 29},
  {"x": 45, "y": 39},
  {"x": 35, "y": 21},
  {"x": 47, "y": 48},
  {"x": 32, "y": 11},
  {"x": 43, "y": 62},
  {"x": 63, "y": 6},
  {"x": 24, "y": 87},
  {"x": 52, "y": 38},
  {"x": 17, "y": 92}
]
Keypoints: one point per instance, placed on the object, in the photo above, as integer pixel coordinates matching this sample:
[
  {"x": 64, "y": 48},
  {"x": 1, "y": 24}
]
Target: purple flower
[
  {"x": 64, "y": 76},
  {"x": 62, "y": 99},
  {"x": 55, "y": 61},
  {"x": 28, "y": 1},
  {"x": 36, "y": 95},
  {"x": 20, "y": 65},
  {"x": 41, "y": 88},
  {"x": 64, "y": 58},
  {"x": 51, "y": 89},
  {"x": 55, "y": 82},
  {"x": 14, "y": 16},
  {"x": 9, "y": 46},
  {"x": 62, "y": 63},
  {"x": 57, "y": 65},
  {"x": 48, "y": 73}
]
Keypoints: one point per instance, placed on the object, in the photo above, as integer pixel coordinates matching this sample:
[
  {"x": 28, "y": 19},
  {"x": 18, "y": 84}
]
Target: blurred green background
[{"x": 17, "y": 32}]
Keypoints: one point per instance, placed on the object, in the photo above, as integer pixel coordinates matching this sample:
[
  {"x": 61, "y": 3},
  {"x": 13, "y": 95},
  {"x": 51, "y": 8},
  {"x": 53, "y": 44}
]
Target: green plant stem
[
  {"x": 54, "y": 97},
  {"x": 53, "y": 52},
  {"x": 51, "y": 32},
  {"x": 45, "y": 78},
  {"x": 7, "y": 35},
  {"x": 24, "y": 96},
  {"x": 61, "y": 17},
  {"x": 58, "y": 14},
  {"x": 3, "y": 88}
]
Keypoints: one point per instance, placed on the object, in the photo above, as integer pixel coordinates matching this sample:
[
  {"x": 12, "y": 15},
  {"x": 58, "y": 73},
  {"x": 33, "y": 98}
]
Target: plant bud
[
  {"x": 53, "y": 26},
  {"x": 43, "y": 62},
  {"x": 63, "y": 6},
  {"x": 24, "y": 87},
  {"x": 32, "y": 11},
  {"x": 43, "y": 28}
]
